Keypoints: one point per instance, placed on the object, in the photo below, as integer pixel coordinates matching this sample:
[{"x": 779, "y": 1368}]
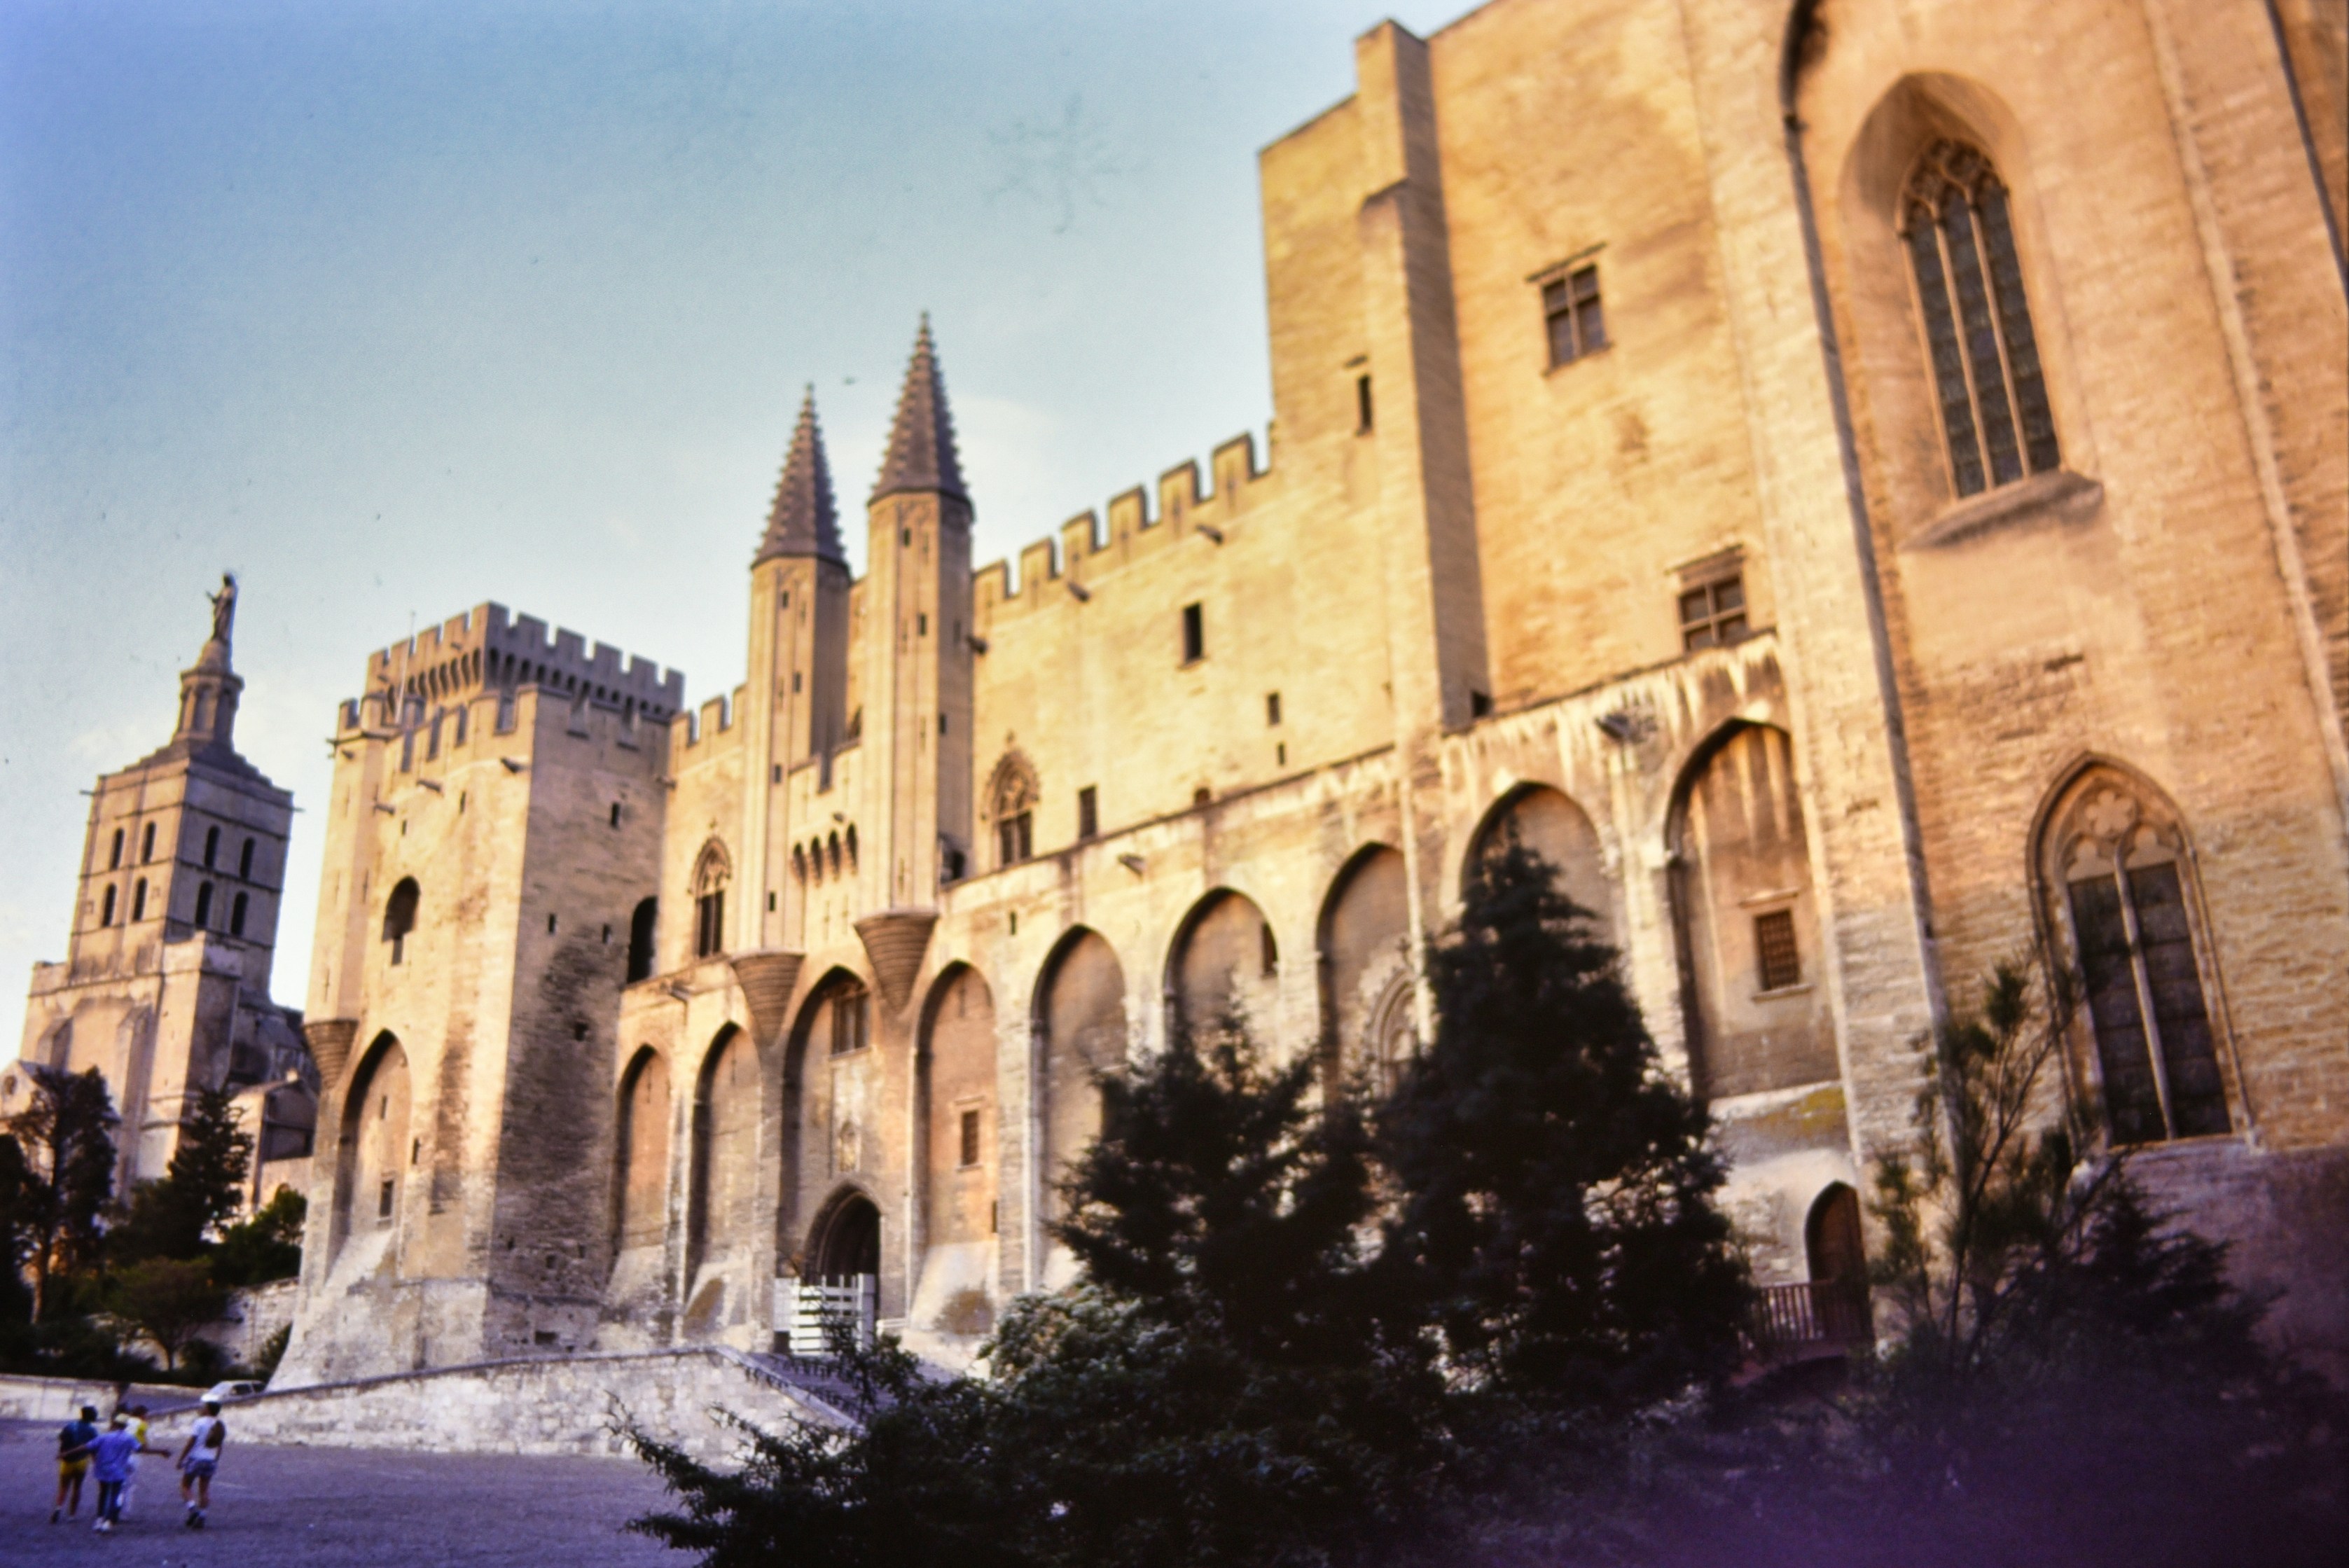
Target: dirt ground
[{"x": 341, "y": 1506}]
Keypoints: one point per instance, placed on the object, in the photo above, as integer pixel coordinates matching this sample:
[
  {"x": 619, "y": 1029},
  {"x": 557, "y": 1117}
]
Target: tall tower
[
  {"x": 165, "y": 984},
  {"x": 796, "y": 697},
  {"x": 916, "y": 679}
]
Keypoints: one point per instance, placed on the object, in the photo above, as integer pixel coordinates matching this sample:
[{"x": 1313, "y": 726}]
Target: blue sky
[{"x": 394, "y": 307}]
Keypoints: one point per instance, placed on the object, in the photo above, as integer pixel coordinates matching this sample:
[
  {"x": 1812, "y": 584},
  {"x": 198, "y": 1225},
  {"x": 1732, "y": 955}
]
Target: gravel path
[{"x": 273, "y": 1506}]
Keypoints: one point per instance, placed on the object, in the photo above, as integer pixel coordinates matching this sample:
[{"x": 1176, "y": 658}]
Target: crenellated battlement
[
  {"x": 488, "y": 648},
  {"x": 1133, "y": 531},
  {"x": 715, "y": 718}
]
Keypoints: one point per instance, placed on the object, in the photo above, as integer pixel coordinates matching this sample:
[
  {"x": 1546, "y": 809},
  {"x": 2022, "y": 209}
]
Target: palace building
[{"x": 1862, "y": 486}]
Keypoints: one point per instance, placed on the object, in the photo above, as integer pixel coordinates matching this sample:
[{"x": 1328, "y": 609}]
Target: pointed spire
[
  {"x": 921, "y": 443},
  {"x": 803, "y": 520}
]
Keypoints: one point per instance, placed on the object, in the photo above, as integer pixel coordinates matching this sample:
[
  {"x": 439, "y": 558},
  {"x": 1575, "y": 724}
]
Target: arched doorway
[
  {"x": 1836, "y": 1253},
  {"x": 845, "y": 1243}
]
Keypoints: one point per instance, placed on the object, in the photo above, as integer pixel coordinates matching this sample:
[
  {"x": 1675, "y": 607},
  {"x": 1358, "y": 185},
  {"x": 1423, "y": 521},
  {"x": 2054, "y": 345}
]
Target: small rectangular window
[
  {"x": 1713, "y": 615},
  {"x": 1195, "y": 635},
  {"x": 1272, "y": 708},
  {"x": 383, "y": 1200},
  {"x": 1570, "y": 308},
  {"x": 969, "y": 1138},
  {"x": 1362, "y": 405},
  {"x": 795, "y": 680},
  {"x": 921, "y": 626},
  {"x": 1088, "y": 812},
  {"x": 1776, "y": 961}
]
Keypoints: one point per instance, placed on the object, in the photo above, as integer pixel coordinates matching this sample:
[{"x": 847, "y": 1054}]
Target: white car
[{"x": 239, "y": 1389}]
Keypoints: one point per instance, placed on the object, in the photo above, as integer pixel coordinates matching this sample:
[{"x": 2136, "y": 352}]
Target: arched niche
[
  {"x": 640, "y": 1168},
  {"x": 374, "y": 1154},
  {"x": 1552, "y": 826},
  {"x": 1225, "y": 961},
  {"x": 1364, "y": 948},
  {"x": 399, "y": 916},
  {"x": 2117, "y": 893},
  {"x": 1746, "y": 922},
  {"x": 832, "y": 1120},
  {"x": 954, "y": 1071},
  {"x": 1082, "y": 1031},
  {"x": 722, "y": 1197}
]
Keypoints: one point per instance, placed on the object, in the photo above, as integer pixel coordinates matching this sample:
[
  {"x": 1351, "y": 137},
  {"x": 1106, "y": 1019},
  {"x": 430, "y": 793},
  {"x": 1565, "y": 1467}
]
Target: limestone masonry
[{"x": 1861, "y": 491}]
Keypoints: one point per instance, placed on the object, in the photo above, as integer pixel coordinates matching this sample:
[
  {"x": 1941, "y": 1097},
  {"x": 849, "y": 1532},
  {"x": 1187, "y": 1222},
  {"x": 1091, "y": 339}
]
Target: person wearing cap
[
  {"x": 73, "y": 1462},
  {"x": 199, "y": 1457}
]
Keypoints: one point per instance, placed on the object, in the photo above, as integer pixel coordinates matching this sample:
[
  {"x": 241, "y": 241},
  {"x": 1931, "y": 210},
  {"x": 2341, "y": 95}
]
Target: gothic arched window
[
  {"x": 1011, "y": 795},
  {"x": 711, "y": 875},
  {"x": 2113, "y": 860},
  {"x": 1978, "y": 337}
]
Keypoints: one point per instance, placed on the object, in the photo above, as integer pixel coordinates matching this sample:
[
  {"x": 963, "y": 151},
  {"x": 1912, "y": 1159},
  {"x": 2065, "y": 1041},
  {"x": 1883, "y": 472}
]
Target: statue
[{"x": 223, "y": 608}]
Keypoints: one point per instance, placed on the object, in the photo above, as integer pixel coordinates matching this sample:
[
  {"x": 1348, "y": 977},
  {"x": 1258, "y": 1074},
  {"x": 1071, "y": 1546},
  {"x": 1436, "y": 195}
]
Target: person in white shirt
[{"x": 199, "y": 1458}]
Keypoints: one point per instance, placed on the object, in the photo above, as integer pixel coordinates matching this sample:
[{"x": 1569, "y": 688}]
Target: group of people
[{"x": 112, "y": 1457}]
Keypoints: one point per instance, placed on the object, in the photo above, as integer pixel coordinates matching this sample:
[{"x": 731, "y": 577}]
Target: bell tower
[
  {"x": 797, "y": 691},
  {"x": 916, "y": 677}
]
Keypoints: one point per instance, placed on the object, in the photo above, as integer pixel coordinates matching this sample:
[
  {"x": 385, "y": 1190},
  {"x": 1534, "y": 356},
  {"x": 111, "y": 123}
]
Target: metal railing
[
  {"x": 806, "y": 1310},
  {"x": 1815, "y": 1317}
]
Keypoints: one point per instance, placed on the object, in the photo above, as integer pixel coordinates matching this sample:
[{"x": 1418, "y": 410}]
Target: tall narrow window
[
  {"x": 236, "y": 915},
  {"x": 1272, "y": 708},
  {"x": 114, "y": 855},
  {"x": 969, "y": 1151},
  {"x": 1088, "y": 812},
  {"x": 711, "y": 875},
  {"x": 1362, "y": 405},
  {"x": 1015, "y": 838},
  {"x": 1960, "y": 232},
  {"x": 2115, "y": 864},
  {"x": 244, "y": 861},
  {"x": 106, "y": 909},
  {"x": 1777, "y": 962},
  {"x": 146, "y": 844},
  {"x": 139, "y": 899},
  {"x": 1195, "y": 635},
  {"x": 211, "y": 847},
  {"x": 1577, "y": 324},
  {"x": 204, "y": 906},
  {"x": 851, "y": 1020},
  {"x": 400, "y": 917},
  {"x": 640, "y": 938}
]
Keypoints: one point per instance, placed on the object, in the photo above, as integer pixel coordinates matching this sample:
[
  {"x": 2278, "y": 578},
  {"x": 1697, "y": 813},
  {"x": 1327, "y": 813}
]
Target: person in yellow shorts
[{"x": 73, "y": 1462}]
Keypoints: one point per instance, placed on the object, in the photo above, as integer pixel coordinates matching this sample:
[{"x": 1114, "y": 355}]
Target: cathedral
[
  {"x": 1862, "y": 486},
  {"x": 164, "y": 988}
]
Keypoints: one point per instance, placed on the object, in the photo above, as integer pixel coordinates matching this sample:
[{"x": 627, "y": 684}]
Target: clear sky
[{"x": 394, "y": 307}]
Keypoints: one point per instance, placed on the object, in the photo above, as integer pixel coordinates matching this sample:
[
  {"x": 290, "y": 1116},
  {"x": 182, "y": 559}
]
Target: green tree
[
  {"x": 16, "y": 1299},
  {"x": 65, "y": 1136},
  {"x": 199, "y": 1191},
  {"x": 2071, "y": 1370},
  {"x": 1557, "y": 1223},
  {"x": 268, "y": 1246},
  {"x": 167, "y": 1302}
]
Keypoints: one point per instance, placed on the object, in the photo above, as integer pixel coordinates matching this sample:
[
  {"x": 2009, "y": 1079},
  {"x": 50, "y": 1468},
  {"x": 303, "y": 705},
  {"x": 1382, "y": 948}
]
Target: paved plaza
[{"x": 272, "y": 1505}]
